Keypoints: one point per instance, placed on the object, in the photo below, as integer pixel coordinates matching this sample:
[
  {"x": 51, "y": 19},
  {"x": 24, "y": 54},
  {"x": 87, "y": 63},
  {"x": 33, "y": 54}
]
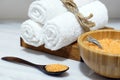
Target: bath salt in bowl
[{"x": 105, "y": 61}]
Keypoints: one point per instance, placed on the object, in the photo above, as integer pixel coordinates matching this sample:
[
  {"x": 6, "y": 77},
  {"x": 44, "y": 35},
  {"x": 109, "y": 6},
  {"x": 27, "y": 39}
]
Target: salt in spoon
[{"x": 40, "y": 67}]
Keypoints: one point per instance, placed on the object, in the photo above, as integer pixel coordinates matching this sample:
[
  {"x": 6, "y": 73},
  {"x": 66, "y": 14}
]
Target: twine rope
[{"x": 83, "y": 21}]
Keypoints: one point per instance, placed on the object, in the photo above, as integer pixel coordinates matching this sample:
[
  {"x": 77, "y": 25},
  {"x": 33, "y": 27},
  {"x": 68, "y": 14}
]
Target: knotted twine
[{"x": 83, "y": 21}]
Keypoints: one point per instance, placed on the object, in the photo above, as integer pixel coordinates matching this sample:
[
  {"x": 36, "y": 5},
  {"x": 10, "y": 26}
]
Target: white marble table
[{"x": 10, "y": 46}]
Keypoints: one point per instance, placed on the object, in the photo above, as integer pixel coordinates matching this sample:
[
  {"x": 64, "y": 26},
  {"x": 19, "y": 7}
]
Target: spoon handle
[
  {"x": 18, "y": 60},
  {"x": 94, "y": 41}
]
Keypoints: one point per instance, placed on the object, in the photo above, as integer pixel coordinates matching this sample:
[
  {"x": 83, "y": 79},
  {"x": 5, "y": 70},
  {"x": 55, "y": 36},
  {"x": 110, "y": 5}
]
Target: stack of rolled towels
[{"x": 53, "y": 26}]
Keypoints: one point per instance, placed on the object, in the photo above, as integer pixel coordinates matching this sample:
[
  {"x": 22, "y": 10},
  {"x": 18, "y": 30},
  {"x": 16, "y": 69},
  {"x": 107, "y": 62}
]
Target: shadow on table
[{"x": 52, "y": 57}]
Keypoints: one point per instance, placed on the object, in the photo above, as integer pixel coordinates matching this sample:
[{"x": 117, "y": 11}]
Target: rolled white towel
[
  {"x": 43, "y": 10},
  {"x": 31, "y": 33},
  {"x": 65, "y": 29}
]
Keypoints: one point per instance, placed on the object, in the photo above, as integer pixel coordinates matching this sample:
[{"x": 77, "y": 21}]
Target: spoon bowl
[{"x": 39, "y": 67}]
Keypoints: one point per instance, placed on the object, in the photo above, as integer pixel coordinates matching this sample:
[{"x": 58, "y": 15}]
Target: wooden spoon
[{"x": 39, "y": 67}]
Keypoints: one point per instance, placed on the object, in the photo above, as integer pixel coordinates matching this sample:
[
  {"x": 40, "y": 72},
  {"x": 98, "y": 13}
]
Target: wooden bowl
[{"x": 105, "y": 64}]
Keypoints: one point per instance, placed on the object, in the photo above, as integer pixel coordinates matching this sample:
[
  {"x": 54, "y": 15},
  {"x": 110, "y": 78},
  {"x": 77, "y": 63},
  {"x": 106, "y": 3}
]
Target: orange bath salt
[
  {"x": 56, "y": 67},
  {"x": 108, "y": 45}
]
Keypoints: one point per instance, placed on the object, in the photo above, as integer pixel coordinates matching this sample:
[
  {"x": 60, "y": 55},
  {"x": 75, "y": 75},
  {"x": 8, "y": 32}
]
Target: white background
[{"x": 17, "y": 9}]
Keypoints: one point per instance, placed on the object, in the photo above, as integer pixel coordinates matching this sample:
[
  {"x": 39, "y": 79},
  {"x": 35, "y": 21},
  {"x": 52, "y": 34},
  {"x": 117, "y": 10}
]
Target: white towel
[
  {"x": 43, "y": 10},
  {"x": 31, "y": 33},
  {"x": 65, "y": 29}
]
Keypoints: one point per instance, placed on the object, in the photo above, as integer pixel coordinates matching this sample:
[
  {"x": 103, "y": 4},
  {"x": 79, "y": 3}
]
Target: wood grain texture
[{"x": 70, "y": 52}]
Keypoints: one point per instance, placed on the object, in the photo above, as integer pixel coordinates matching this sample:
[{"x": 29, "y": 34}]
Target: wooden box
[{"x": 71, "y": 51}]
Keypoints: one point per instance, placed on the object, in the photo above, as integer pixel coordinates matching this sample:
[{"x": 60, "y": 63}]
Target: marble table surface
[{"x": 10, "y": 46}]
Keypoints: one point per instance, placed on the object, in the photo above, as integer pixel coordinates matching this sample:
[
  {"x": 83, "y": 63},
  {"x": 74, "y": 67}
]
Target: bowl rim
[{"x": 82, "y": 36}]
